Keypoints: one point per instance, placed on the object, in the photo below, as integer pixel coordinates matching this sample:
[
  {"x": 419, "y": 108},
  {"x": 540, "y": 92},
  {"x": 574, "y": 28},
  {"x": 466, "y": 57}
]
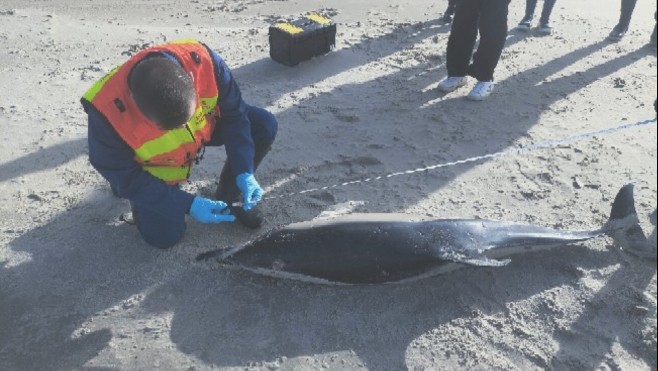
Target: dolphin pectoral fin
[
  {"x": 344, "y": 208},
  {"x": 486, "y": 262},
  {"x": 477, "y": 260}
]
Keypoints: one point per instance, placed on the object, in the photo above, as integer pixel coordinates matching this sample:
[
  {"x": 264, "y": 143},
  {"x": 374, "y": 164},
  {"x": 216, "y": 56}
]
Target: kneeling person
[{"x": 149, "y": 121}]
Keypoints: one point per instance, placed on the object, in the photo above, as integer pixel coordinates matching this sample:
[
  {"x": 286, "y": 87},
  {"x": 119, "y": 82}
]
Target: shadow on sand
[{"x": 226, "y": 319}]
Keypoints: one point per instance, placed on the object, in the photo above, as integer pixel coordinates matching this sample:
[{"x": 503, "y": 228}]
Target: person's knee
[
  {"x": 273, "y": 127},
  {"x": 162, "y": 243},
  {"x": 269, "y": 128},
  {"x": 264, "y": 126},
  {"x": 162, "y": 236}
]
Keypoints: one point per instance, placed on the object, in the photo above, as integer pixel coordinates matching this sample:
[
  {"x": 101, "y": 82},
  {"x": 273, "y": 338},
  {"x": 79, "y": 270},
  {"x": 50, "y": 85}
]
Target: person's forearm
[{"x": 114, "y": 160}]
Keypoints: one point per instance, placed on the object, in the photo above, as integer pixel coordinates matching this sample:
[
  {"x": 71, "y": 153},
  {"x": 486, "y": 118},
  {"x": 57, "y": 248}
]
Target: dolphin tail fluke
[{"x": 624, "y": 225}]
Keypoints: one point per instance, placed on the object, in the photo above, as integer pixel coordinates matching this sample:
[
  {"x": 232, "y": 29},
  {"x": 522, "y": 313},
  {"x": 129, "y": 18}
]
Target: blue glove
[
  {"x": 209, "y": 211},
  {"x": 251, "y": 190}
]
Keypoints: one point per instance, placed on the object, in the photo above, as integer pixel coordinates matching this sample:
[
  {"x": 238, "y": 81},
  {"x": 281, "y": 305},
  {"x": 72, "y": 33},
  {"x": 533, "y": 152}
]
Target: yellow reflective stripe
[
  {"x": 96, "y": 88},
  {"x": 198, "y": 121},
  {"x": 183, "y": 41},
  {"x": 208, "y": 104},
  {"x": 315, "y": 17},
  {"x": 173, "y": 139},
  {"x": 288, "y": 28},
  {"x": 168, "y": 142},
  {"x": 168, "y": 173}
]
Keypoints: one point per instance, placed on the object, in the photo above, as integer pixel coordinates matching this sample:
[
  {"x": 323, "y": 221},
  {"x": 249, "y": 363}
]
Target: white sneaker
[
  {"x": 545, "y": 29},
  {"x": 451, "y": 83},
  {"x": 481, "y": 90}
]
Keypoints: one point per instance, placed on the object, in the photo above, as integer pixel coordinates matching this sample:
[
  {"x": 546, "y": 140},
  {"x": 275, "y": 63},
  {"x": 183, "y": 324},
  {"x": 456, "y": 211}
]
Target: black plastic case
[{"x": 302, "y": 39}]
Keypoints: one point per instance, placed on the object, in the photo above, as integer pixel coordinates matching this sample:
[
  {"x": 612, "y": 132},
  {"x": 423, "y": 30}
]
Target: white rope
[{"x": 507, "y": 152}]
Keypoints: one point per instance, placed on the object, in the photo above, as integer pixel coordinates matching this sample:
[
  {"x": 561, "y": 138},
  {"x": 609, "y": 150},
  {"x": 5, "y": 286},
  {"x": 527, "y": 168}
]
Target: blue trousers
[{"x": 164, "y": 231}]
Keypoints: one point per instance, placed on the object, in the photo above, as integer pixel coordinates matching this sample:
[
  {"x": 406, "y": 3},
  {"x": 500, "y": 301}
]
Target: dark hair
[{"x": 163, "y": 91}]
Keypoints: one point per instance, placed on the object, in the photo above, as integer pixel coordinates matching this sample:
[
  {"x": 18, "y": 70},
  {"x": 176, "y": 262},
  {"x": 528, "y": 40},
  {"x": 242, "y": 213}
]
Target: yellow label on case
[
  {"x": 288, "y": 28},
  {"x": 315, "y": 17}
]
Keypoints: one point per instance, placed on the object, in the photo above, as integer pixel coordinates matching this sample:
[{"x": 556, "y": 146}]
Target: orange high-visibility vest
[{"x": 166, "y": 154}]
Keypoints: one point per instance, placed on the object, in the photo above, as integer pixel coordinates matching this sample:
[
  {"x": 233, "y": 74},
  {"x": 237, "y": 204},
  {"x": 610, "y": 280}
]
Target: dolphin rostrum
[{"x": 383, "y": 248}]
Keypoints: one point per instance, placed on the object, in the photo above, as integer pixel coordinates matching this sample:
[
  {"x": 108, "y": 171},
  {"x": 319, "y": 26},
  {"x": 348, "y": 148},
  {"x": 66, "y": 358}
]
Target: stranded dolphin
[{"x": 382, "y": 248}]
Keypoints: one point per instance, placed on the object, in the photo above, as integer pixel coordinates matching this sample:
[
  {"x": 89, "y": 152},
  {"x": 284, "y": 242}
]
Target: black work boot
[{"x": 228, "y": 191}]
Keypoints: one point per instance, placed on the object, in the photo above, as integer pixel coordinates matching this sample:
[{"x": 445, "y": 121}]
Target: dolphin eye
[{"x": 278, "y": 265}]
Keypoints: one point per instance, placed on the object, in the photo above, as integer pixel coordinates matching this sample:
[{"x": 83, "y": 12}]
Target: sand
[{"x": 80, "y": 290}]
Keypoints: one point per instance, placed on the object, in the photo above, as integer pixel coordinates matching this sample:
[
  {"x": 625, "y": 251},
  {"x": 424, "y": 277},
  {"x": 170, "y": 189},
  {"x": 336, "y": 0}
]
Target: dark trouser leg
[
  {"x": 158, "y": 230},
  {"x": 493, "y": 33},
  {"x": 530, "y": 6},
  {"x": 263, "y": 130},
  {"x": 228, "y": 189},
  {"x": 253, "y": 217},
  {"x": 627, "y": 7},
  {"x": 652, "y": 40},
  {"x": 546, "y": 12},
  {"x": 463, "y": 33},
  {"x": 452, "y": 4}
]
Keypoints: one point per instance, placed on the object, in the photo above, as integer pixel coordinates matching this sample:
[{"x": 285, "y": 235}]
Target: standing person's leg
[
  {"x": 493, "y": 33},
  {"x": 652, "y": 39},
  {"x": 452, "y": 5},
  {"x": 450, "y": 11},
  {"x": 462, "y": 38},
  {"x": 546, "y": 11},
  {"x": 544, "y": 21},
  {"x": 525, "y": 23},
  {"x": 627, "y": 7}
]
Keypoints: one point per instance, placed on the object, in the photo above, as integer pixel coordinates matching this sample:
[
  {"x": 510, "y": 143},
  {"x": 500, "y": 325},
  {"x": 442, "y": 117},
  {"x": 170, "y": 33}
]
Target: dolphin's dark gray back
[{"x": 348, "y": 251}]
